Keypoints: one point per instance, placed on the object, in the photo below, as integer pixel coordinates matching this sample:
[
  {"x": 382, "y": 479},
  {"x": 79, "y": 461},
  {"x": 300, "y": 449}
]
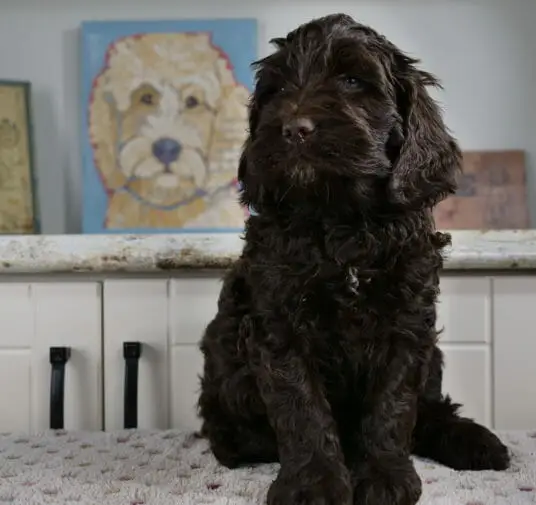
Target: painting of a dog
[{"x": 166, "y": 118}]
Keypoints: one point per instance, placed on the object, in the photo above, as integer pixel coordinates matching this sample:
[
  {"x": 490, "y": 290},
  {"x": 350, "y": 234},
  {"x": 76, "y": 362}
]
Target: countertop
[{"x": 471, "y": 250}]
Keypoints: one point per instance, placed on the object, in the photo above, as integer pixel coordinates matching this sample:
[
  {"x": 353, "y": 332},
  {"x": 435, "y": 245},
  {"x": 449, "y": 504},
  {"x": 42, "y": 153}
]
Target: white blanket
[{"x": 174, "y": 468}]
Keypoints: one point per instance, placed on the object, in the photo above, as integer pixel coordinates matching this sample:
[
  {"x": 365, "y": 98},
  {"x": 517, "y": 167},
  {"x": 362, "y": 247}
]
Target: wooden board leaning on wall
[{"x": 492, "y": 193}]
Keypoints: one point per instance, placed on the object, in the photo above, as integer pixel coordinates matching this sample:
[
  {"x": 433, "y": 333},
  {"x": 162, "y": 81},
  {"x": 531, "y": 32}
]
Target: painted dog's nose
[{"x": 166, "y": 150}]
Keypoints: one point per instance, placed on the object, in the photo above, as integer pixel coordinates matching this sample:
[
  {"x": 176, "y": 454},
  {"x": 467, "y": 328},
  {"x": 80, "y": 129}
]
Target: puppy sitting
[{"x": 323, "y": 354}]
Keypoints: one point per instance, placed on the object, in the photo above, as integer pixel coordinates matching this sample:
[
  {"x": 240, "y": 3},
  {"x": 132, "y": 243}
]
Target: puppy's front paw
[
  {"x": 387, "y": 481},
  {"x": 313, "y": 485}
]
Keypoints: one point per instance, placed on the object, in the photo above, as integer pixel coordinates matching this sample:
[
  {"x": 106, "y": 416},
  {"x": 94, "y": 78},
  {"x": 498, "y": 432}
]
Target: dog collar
[{"x": 198, "y": 194}]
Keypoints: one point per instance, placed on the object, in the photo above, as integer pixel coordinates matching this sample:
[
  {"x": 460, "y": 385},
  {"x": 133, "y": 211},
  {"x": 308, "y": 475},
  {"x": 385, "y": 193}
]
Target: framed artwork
[
  {"x": 492, "y": 193},
  {"x": 18, "y": 201},
  {"x": 164, "y": 118}
]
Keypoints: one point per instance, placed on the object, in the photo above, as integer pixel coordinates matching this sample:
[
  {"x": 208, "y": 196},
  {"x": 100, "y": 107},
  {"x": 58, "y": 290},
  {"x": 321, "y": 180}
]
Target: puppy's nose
[
  {"x": 298, "y": 129},
  {"x": 166, "y": 150}
]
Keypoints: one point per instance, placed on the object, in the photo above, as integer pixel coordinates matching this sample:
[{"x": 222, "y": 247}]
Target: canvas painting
[
  {"x": 491, "y": 195},
  {"x": 164, "y": 119},
  {"x": 17, "y": 176}
]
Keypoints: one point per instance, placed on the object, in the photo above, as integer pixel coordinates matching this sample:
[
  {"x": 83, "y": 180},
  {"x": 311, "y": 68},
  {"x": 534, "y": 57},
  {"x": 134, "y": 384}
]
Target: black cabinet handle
[
  {"x": 58, "y": 358},
  {"x": 131, "y": 354}
]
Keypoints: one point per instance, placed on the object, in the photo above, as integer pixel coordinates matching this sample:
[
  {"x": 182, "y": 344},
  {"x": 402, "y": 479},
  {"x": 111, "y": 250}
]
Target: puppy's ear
[
  {"x": 428, "y": 159},
  {"x": 279, "y": 42},
  {"x": 253, "y": 120},
  {"x": 247, "y": 191},
  {"x": 252, "y": 193},
  {"x": 242, "y": 166},
  {"x": 243, "y": 193}
]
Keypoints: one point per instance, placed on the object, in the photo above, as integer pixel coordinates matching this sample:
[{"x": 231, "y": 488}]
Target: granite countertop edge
[{"x": 470, "y": 250}]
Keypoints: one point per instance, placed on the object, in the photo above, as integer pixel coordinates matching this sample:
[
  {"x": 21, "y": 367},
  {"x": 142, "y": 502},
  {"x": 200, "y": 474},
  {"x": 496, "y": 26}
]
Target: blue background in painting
[{"x": 236, "y": 37}]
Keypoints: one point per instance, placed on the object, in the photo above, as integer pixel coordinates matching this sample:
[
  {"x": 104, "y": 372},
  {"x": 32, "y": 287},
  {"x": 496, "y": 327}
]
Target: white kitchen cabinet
[
  {"x": 33, "y": 318},
  {"x": 514, "y": 321},
  {"x": 467, "y": 379},
  {"x": 487, "y": 346},
  {"x": 464, "y": 314},
  {"x": 193, "y": 303},
  {"x": 16, "y": 357},
  {"x": 137, "y": 310},
  {"x": 94, "y": 293},
  {"x": 168, "y": 318},
  {"x": 464, "y": 309}
]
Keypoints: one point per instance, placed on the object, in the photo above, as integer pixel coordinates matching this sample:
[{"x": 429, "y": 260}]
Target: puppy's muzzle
[{"x": 298, "y": 129}]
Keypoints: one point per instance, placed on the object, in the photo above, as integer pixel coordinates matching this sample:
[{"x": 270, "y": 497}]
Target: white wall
[{"x": 481, "y": 49}]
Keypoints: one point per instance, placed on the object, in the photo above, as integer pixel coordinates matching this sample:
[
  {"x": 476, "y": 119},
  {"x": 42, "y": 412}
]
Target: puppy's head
[{"x": 340, "y": 115}]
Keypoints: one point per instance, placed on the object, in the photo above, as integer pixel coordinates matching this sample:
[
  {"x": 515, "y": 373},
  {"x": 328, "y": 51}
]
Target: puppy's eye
[
  {"x": 191, "y": 102},
  {"x": 270, "y": 90},
  {"x": 147, "y": 99},
  {"x": 353, "y": 82}
]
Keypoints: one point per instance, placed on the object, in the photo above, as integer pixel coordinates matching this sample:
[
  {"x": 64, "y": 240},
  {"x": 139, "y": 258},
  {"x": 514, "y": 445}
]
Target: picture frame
[
  {"x": 18, "y": 181},
  {"x": 164, "y": 118}
]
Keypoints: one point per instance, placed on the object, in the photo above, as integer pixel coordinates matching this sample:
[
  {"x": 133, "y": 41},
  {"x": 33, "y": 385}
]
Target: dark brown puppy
[{"x": 323, "y": 354}]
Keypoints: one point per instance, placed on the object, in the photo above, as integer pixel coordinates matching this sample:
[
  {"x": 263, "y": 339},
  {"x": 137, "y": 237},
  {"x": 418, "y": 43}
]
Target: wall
[{"x": 480, "y": 49}]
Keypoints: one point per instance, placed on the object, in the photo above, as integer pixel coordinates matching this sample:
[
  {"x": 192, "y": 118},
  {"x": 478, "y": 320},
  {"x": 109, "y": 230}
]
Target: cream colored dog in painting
[{"x": 167, "y": 121}]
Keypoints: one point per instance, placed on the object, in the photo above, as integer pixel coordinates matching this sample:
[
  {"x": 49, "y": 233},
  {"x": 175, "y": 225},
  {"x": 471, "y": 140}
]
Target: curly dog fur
[{"x": 323, "y": 354}]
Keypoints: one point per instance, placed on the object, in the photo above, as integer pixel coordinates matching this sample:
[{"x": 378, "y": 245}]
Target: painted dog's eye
[
  {"x": 191, "y": 102},
  {"x": 147, "y": 99}
]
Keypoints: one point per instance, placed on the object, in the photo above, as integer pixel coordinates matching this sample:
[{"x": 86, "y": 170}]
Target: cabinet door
[
  {"x": 137, "y": 311},
  {"x": 464, "y": 309},
  {"x": 33, "y": 318},
  {"x": 464, "y": 314},
  {"x": 194, "y": 303},
  {"x": 514, "y": 320},
  {"x": 467, "y": 379},
  {"x": 168, "y": 318}
]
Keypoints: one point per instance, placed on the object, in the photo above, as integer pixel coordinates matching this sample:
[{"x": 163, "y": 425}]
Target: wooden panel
[{"x": 492, "y": 193}]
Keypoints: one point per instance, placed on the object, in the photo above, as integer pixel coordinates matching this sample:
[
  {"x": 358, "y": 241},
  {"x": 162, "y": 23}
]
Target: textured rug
[{"x": 173, "y": 468}]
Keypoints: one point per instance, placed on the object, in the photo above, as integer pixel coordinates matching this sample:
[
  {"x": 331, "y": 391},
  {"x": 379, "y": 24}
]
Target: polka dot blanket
[{"x": 171, "y": 468}]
